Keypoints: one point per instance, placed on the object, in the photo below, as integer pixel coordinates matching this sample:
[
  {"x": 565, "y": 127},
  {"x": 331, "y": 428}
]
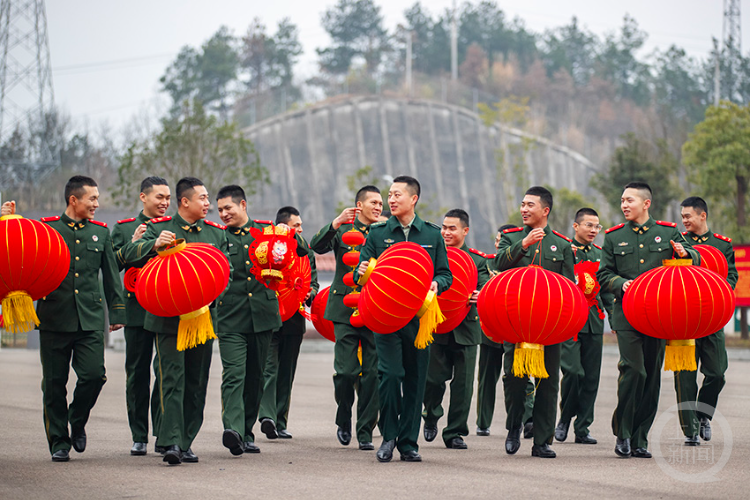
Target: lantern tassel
[
  {"x": 680, "y": 356},
  {"x": 195, "y": 328},
  {"x": 430, "y": 316},
  {"x": 528, "y": 359},
  {"x": 19, "y": 315}
]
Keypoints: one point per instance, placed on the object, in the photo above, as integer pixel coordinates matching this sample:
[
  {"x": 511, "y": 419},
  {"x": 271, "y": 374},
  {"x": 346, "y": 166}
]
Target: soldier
[
  {"x": 281, "y": 363},
  {"x": 630, "y": 249},
  {"x": 710, "y": 351},
  {"x": 402, "y": 367},
  {"x": 182, "y": 375},
  {"x": 581, "y": 359},
  {"x": 139, "y": 343},
  {"x": 348, "y": 372},
  {"x": 247, "y": 316},
  {"x": 72, "y": 318},
  {"x": 453, "y": 355},
  {"x": 519, "y": 247}
]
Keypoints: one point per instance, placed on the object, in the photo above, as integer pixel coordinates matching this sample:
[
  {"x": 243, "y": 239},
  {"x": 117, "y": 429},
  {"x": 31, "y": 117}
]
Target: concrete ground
[{"x": 314, "y": 465}]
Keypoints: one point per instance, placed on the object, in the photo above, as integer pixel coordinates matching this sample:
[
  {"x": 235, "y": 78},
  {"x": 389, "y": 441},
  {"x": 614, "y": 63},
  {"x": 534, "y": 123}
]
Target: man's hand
[
  {"x": 8, "y": 208},
  {"x": 345, "y": 217},
  {"x": 362, "y": 267},
  {"x": 474, "y": 297},
  {"x": 535, "y": 236},
  {"x": 626, "y": 285},
  {"x": 138, "y": 232},
  {"x": 679, "y": 249},
  {"x": 434, "y": 287},
  {"x": 165, "y": 238},
  {"x": 112, "y": 328}
]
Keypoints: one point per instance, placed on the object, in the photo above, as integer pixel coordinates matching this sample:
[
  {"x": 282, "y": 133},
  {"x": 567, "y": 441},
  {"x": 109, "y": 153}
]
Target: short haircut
[
  {"x": 459, "y": 214},
  {"x": 148, "y": 183},
  {"x": 362, "y": 193},
  {"x": 285, "y": 213},
  {"x": 234, "y": 191},
  {"x": 583, "y": 212},
  {"x": 544, "y": 195},
  {"x": 697, "y": 203},
  {"x": 504, "y": 227},
  {"x": 642, "y": 188},
  {"x": 412, "y": 184},
  {"x": 75, "y": 186},
  {"x": 185, "y": 185}
]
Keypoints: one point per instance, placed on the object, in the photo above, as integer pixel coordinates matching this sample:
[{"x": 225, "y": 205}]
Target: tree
[
  {"x": 269, "y": 60},
  {"x": 474, "y": 69},
  {"x": 484, "y": 25},
  {"x": 180, "y": 80},
  {"x": 565, "y": 205},
  {"x": 677, "y": 91},
  {"x": 571, "y": 48},
  {"x": 431, "y": 53}
]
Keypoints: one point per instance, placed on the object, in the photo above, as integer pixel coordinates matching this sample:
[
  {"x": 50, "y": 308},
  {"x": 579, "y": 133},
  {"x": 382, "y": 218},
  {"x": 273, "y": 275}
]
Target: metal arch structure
[{"x": 26, "y": 92}]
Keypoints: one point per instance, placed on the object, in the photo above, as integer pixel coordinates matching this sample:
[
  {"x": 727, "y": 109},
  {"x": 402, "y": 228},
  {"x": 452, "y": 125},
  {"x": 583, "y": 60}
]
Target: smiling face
[
  {"x": 371, "y": 207},
  {"x": 295, "y": 222},
  {"x": 195, "y": 204},
  {"x": 156, "y": 201},
  {"x": 587, "y": 229},
  {"x": 532, "y": 212},
  {"x": 232, "y": 214},
  {"x": 694, "y": 220},
  {"x": 633, "y": 205},
  {"x": 454, "y": 232},
  {"x": 84, "y": 207},
  {"x": 400, "y": 199}
]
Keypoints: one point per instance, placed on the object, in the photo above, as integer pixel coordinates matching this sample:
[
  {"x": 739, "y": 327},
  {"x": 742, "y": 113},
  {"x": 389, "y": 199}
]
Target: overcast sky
[{"x": 107, "y": 56}]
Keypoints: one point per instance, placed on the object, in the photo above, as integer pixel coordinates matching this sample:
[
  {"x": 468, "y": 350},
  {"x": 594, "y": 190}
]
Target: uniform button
[
  {"x": 77, "y": 258},
  {"x": 221, "y": 302},
  {"x": 100, "y": 300},
  {"x": 76, "y": 275},
  {"x": 249, "y": 278},
  {"x": 76, "y": 292},
  {"x": 641, "y": 261},
  {"x": 247, "y": 262},
  {"x": 554, "y": 259},
  {"x": 78, "y": 241},
  {"x": 96, "y": 249},
  {"x": 536, "y": 251},
  {"x": 246, "y": 246},
  {"x": 641, "y": 245},
  {"x": 249, "y": 294},
  {"x": 128, "y": 294},
  {"x": 623, "y": 253}
]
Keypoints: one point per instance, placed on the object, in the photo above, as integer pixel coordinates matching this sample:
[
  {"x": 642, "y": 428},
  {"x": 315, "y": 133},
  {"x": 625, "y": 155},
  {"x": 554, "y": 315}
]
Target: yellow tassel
[
  {"x": 195, "y": 328},
  {"x": 18, "y": 312},
  {"x": 359, "y": 355},
  {"x": 680, "y": 356},
  {"x": 430, "y": 316},
  {"x": 528, "y": 359}
]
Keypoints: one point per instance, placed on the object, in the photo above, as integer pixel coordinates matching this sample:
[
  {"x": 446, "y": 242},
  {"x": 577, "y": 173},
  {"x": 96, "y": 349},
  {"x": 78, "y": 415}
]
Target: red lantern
[
  {"x": 531, "y": 307},
  {"x": 713, "y": 259},
  {"x": 294, "y": 289},
  {"x": 454, "y": 302},
  {"x": 353, "y": 237},
  {"x": 396, "y": 287},
  {"x": 131, "y": 279},
  {"x": 182, "y": 281},
  {"x": 272, "y": 253},
  {"x": 349, "y": 280},
  {"x": 679, "y": 302},
  {"x": 585, "y": 272},
  {"x": 35, "y": 260},
  {"x": 356, "y": 320},
  {"x": 323, "y": 326},
  {"x": 352, "y": 299},
  {"x": 351, "y": 259}
]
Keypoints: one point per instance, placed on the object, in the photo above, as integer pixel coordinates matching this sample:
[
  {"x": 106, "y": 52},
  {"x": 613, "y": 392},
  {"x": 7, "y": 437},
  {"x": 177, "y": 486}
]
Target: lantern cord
[
  {"x": 430, "y": 316},
  {"x": 195, "y": 328},
  {"x": 18, "y": 312},
  {"x": 680, "y": 356},
  {"x": 538, "y": 252},
  {"x": 528, "y": 359}
]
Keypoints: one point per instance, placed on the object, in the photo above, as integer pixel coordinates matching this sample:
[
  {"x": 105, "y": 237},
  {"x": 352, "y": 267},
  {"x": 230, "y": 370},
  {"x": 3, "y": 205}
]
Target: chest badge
[
  {"x": 95, "y": 238},
  {"x": 657, "y": 239},
  {"x": 388, "y": 241},
  {"x": 553, "y": 248},
  {"x": 623, "y": 244}
]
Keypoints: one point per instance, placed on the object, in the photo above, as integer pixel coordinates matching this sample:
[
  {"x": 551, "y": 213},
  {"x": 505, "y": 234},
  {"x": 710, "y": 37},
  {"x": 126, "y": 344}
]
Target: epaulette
[
  {"x": 215, "y": 224},
  {"x": 123, "y": 221},
  {"x": 665, "y": 223},
  {"x": 50, "y": 219},
  {"x": 512, "y": 230},
  {"x": 684, "y": 233},
  {"x": 262, "y": 221},
  {"x": 563, "y": 236},
  {"x": 433, "y": 224},
  {"x": 378, "y": 224},
  {"x": 597, "y": 246},
  {"x": 160, "y": 219},
  {"x": 722, "y": 237},
  {"x": 490, "y": 256},
  {"x": 477, "y": 252},
  {"x": 614, "y": 228},
  {"x": 98, "y": 223}
]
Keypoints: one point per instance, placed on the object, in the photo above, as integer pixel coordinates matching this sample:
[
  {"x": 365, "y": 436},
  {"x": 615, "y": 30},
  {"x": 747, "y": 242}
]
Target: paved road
[{"x": 313, "y": 465}]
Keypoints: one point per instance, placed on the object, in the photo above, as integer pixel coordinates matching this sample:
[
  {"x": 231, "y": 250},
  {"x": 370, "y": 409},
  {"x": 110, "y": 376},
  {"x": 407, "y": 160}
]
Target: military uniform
[
  {"x": 554, "y": 254},
  {"x": 454, "y": 355},
  {"x": 72, "y": 324},
  {"x": 581, "y": 359},
  {"x": 182, "y": 375},
  {"x": 246, "y": 317},
  {"x": 348, "y": 373},
  {"x": 629, "y": 250},
  {"x": 710, "y": 352},
  {"x": 402, "y": 368}
]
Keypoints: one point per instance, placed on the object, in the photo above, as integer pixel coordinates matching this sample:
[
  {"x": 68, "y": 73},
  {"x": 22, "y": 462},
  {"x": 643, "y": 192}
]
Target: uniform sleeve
[
  {"x": 324, "y": 239},
  {"x": 732, "y": 276},
  {"x": 443, "y": 276},
  {"x": 314, "y": 285},
  {"x": 142, "y": 249},
  {"x": 112, "y": 285},
  {"x": 607, "y": 275},
  {"x": 508, "y": 253},
  {"x": 302, "y": 247},
  {"x": 118, "y": 241},
  {"x": 607, "y": 300}
]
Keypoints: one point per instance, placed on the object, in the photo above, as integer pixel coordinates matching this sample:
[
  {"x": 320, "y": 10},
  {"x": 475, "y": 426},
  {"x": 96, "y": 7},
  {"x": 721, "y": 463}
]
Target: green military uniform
[
  {"x": 554, "y": 254},
  {"x": 72, "y": 324},
  {"x": 348, "y": 373},
  {"x": 581, "y": 359},
  {"x": 710, "y": 352},
  {"x": 246, "y": 317},
  {"x": 454, "y": 355},
  {"x": 630, "y": 250},
  {"x": 402, "y": 368},
  {"x": 281, "y": 362},
  {"x": 182, "y": 375},
  {"x": 139, "y": 343}
]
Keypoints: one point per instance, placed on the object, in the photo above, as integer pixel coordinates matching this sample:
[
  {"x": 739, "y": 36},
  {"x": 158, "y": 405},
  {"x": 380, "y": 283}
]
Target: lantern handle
[{"x": 538, "y": 252}]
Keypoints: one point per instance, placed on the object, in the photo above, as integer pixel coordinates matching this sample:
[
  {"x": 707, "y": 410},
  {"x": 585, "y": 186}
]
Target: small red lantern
[
  {"x": 349, "y": 280},
  {"x": 713, "y": 259},
  {"x": 454, "y": 302},
  {"x": 353, "y": 237},
  {"x": 182, "y": 280},
  {"x": 679, "y": 302},
  {"x": 352, "y": 299},
  {"x": 272, "y": 253},
  {"x": 323, "y": 326},
  {"x": 356, "y": 320},
  {"x": 35, "y": 260},
  {"x": 531, "y": 307},
  {"x": 351, "y": 259},
  {"x": 585, "y": 272},
  {"x": 131, "y": 278},
  {"x": 295, "y": 288}
]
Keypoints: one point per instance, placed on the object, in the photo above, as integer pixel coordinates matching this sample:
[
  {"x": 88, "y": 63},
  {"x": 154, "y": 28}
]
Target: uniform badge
[
  {"x": 553, "y": 248},
  {"x": 95, "y": 238},
  {"x": 657, "y": 239},
  {"x": 388, "y": 241},
  {"x": 623, "y": 244},
  {"x": 231, "y": 244}
]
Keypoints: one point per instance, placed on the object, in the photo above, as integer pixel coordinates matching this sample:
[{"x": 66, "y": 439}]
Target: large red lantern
[
  {"x": 273, "y": 254},
  {"x": 323, "y": 326},
  {"x": 35, "y": 260},
  {"x": 531, "y": 307},
  {"x": 679, "y": 302},
  {"x": 295, "y": 288},
  {"x": 712, "y": 258},
  {"x": 396, "y": 287},
  {"x": 182, "y": 280},
  {"x": 454, "y": 302}
]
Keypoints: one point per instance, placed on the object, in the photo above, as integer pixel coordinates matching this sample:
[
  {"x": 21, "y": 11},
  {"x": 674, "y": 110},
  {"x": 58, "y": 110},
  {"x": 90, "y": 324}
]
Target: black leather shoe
[
  {"x": 528, "y": 430},
  {"x": 284, "y": 434},
  {"x": 622, "y": 448},
  {"x": 561, "y": 431},
  {"x": 268, "y": 427},
  {"x": 587, "y": 439},
  {"x": 513, "y": 441},
  {"x": 172, "y": 455},
  {"x": 189, "y": 457},
  {"x": 385, "y": 452},
  {"x": 231, "y": 439},
  {"x": 456, "y": 444},
  {"x": 79, "y": 440},
  {"x": 430, "y": 432},
  {"x": 366, "y": 446},
  {"x": 705, "y": 431},
  {"x": 542, "y": 451},
  {"x": 250, "y": 447},
  {"x": 61, "y": 456},
  {"x": 692, "y": 441},
  {"x": 159, "y": 449},
  {"x": 641, "y": 453},
  {"x": 139, "y": 449},
  {"x": 483, "y": 432},
  {"x": 411, "y": 456},
  {"x": 344, "y": 436}
]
